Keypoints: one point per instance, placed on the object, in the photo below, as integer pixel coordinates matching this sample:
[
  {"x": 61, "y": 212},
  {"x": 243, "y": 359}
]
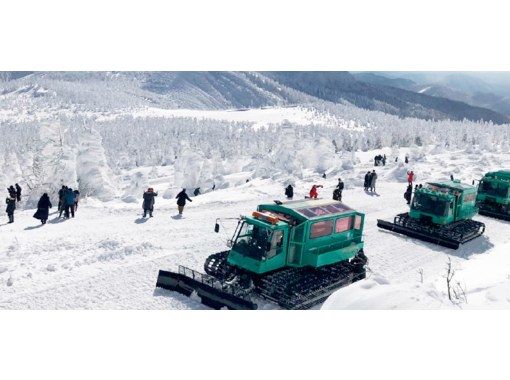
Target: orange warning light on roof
[{"x": 268, "y": 217}]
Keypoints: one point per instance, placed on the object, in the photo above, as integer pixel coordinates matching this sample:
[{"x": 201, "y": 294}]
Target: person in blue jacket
[{"x": 69, "y": 198}]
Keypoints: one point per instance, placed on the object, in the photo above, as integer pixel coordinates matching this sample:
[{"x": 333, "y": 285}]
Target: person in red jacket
[
  {"x": 313, "y": 191},
  {"x": 410, "y": 177}
]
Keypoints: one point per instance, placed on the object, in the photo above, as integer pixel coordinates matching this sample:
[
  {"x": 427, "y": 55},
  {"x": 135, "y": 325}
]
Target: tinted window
[
  {"x": 343, "y": 224},
  {"x": 357, "y": 222},
  {"x": 322, "y": 228}
]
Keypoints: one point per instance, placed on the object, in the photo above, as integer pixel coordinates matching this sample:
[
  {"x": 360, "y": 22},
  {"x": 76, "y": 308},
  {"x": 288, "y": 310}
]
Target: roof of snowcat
[
  {"x": 452, "y": 185},
  {"x": 499, "y": 174},
  {"x": 310, "y": 208}
]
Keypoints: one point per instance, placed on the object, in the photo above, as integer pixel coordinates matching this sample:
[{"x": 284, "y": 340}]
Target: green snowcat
[
  {"x": 493, "y": 197},
  {"x": 294, "y": 254},
  {"x": 440, "y": 213}
]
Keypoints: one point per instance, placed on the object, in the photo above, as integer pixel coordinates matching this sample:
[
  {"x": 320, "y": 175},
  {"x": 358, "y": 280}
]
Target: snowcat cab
[
  {"x": 294, "y": 254},
  {"x": 440, "y": 213},
  {"x": 493, "y": 197}
]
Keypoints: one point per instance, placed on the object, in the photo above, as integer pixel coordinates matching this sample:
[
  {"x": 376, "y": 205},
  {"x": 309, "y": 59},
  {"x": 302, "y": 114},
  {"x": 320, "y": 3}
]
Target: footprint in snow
[{"x": 51, "y": 268}]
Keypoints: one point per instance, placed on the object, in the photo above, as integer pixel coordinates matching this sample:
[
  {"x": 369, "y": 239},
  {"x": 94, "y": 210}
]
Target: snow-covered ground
[{"x": 108, "y": 257}]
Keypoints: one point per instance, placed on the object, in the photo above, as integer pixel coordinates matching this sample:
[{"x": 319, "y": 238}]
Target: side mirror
[{"x": 216, "y": 227}]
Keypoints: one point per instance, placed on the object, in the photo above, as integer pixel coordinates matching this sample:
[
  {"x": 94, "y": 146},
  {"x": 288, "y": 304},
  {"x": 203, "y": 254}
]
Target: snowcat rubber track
[
  {"x": 294, "y": 288},
  {"x": 211, "y": 292},
  {"x": 216, "y": 265},
  {"x": 490, "y": 210},
  {"x": 495, "y": 215},
  {"x": 450, "y": 236},
  {"x": 290, "y": 288},
  {"x": 303, "y": 288}
]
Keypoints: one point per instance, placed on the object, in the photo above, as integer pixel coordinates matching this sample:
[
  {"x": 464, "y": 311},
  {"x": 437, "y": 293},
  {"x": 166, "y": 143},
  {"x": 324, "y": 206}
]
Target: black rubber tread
[{"x": 450, "y": 236}]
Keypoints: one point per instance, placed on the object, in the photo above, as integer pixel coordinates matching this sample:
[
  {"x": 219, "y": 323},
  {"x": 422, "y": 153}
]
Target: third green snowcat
[{"x": 493, "y": 197}]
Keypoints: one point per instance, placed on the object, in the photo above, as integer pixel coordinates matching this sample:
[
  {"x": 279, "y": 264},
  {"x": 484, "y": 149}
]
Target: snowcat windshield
[
  {"x": 495, "y": 190},
  {"x": 430, "y": 204},
  {"x": 258, "y": 242}
]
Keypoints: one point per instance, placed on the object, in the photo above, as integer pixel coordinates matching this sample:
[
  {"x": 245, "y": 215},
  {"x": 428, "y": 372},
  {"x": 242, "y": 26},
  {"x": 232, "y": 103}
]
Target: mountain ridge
[{"x": 226, "y": 90}]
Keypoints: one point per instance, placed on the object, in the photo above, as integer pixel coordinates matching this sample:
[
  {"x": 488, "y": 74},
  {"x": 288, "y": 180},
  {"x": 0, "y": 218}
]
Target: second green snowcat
[{"x": 440, "y": 213}]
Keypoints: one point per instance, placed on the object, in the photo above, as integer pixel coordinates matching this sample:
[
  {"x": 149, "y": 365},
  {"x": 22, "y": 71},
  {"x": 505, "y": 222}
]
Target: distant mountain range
[
  {"x": 486, "y": 90},
  {"x": 455, "y": 96}
]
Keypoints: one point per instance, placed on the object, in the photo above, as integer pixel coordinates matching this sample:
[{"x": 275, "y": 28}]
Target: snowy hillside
[
  {"x": 109, "y": 257},
  {"x": 112, "y": 135}
]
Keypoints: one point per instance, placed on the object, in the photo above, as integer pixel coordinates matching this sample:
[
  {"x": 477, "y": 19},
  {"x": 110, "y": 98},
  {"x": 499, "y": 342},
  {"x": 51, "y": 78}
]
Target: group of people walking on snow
[
  {"x": 149, "y": 200},
  {"x": 68, "y": 200},
  {"x": 67, "y": 203},
  {"x": 369, "y": 183}
]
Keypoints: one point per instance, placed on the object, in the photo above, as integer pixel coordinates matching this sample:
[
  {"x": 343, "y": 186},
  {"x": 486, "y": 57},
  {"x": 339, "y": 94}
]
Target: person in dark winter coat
[
  {"x": 69, "y": 203},
  {"x": 12, "y": 192},
  {"x": 408, "y": 194},
  {"x": 182, "y": 197},
  {"x": 196, "y": 192},
  {"x": 61, "y": 195},
  {"x": 289, "y": 192},
  {"x": 11, "y": 206},
  {"x": 336, "y": 195},
  {"x": 18, "y": 192},
  {"x": 406, "y": 160},
  {"x": 373, "y": 179},
  {"x": 368, "y": 179},
  {"x": 384, "y": 160},
  {"x": 43, "y": 208},
  {"x": 76, "y": 199},
  {"x": 148, "y": 201},
  {"x": 338, "y": 190}
]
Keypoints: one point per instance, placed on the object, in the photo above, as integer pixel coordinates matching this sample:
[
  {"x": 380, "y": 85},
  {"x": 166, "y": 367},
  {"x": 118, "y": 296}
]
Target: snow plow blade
[
  {"x": 211, "y": 292},
  {"x": 448, "y": 243}
]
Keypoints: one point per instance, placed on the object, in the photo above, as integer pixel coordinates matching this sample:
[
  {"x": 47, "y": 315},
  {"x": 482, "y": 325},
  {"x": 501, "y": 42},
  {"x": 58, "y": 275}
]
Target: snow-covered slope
[
  {"x": 114, "y": 134},
  {"x": 106, "y": 91},
  {"x": 108, "y": 256}
]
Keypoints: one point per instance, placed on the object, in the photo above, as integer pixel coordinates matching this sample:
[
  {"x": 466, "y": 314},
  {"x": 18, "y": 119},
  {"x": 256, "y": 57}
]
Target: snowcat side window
[
  {"x": 469, "y": 197},
  {"x": 320, "y": 229},
  {"x": 498, "y": 190},
  {"x": 343, "y": 224},
  {"x": 357, "y": 222}
]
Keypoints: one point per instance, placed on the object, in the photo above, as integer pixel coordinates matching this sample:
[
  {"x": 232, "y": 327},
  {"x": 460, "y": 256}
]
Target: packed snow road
[{"x": 108, "y": 257}]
